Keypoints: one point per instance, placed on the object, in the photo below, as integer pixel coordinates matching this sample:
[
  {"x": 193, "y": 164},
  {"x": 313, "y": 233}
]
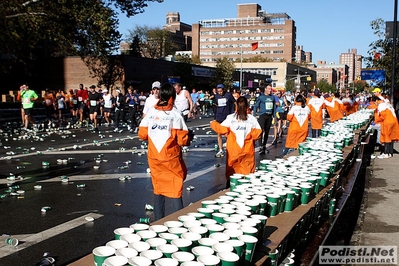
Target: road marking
[{"x": 30, "y": 240}]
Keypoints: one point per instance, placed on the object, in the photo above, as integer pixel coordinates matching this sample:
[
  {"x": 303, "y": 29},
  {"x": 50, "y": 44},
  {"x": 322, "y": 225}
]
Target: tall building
[
  {"x": 301, "y": 56},
  {"x": 354, "y": 62},
  {"x": 272, "y": 34}
]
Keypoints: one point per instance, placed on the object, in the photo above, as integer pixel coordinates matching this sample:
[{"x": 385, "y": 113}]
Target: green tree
[
  {"x": 224, "y": 71},
  {"x": 185, "y": 58},
  {"x": 324, "y": 86},
  {"x": 35, "y": 29},
  {"x": 154, "y": 42},
  {"x": 381, "y": 52},
  {"x": 290, "y": 85}
]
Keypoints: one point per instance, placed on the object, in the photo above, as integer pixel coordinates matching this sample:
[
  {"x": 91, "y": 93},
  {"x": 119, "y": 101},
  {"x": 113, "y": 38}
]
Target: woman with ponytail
[
  {"x": 164, "y": 128},
  {"x": 242, "y": 130}
]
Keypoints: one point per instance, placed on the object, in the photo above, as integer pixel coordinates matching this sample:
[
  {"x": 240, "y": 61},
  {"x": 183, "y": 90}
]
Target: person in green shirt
[{"x": 28, "y": 97}]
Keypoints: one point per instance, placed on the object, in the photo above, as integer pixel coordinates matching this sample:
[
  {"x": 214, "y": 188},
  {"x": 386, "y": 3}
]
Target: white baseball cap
[{"x": 156, "y": 84}]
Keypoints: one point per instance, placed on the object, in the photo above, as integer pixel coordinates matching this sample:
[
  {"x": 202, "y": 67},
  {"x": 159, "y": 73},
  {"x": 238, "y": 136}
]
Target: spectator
[
  {"x": 132, "y": 99},
  {"x": 142, "y": 99},
  {"x": 225, "y": 105},
  {"x": 153, "y": 98},
  {"x": 119, "y": 103},
  {"x": 165, "y": 130},
  {"x": 242, "y": 130}
]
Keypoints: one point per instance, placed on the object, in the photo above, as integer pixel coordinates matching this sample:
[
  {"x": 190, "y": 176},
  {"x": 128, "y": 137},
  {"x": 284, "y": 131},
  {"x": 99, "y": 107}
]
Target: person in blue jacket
[{"x": 225, "y": 105}]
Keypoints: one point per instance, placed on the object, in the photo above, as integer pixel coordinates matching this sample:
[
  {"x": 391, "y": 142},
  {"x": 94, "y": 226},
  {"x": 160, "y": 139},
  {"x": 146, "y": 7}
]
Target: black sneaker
[
  {"x": 274, "y": 142},
  {"x": 262, "y": 151}
]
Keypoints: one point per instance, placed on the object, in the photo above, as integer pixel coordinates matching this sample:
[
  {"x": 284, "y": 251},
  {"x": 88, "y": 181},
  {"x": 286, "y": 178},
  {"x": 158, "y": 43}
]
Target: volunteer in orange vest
[
  {"x": 389, "y": 128},
  {"x": 316, "y": 106},
  {"x": 298, "y": 116},
  {"x": 164, "y": 128},
  {"x": 334, "y": 107},
  {"x": 242, "y": 130}
]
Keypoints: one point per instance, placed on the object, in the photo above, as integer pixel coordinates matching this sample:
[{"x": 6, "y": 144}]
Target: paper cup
[
  {"x": 156, "y": 241},
  {"x": 139, "y": 227},
  {"x": 199, "y": 230},
  {"x": 126, "y": 252},
  {"x": 190, "y": 223},
  {"x": 170, "y": 224},
  {"x": 221, "y": 237},
  {"x": 168, "y": 236},
  {"x": 140, "y": 246},
  {"x": 151, "y": 254},
  {"x": 248, "y": 230},
  {"x": 222, "y": 247},
  {"x": 305, "y": 193},
  {"x": 183, "y": 244},
  {"x": 207, "y": 242},
  {"x": 250, "y": 243},
  {"x": 177, "y": 230},
  {"x": 102, "y": 253},
  {"x": 122, "y": 231},
  {"x": 182, "y": 256},
  {"x": 192, "y": 263},
  {"x": 325, "y": 176},
  {"x": 184, "y": 218},
  {"x": 205, "y": 203},
  {"x": 158, "y": 228},
  {"x": 238, "y": 246},
  {"x": 233, "y": 233},
  {"x": 214, "y": 228},
  {"x": 130, "y": 238},
  {"x": 202, "y": 250},
  {"x": 197, "y": 215},
  {"x": 167, "y": 249},
  {"x": 219, "y": 217},
  {"x": 166, "y": 262},
  {"x": 147, "y": 234},
  {"x": 115, "y": 261},
  {"x": 228, "y": 258},
  {"x": 272, "y": 204},
  {"x": 194, "y": 237},
  {"x": 139, "y": 261},
  {"x": 117, "y": 244},
  {"x": 206, "y": 221},
  {"x": 289, "y": 201},
  {"x": 209, "y": 260},
  {"x": 205, "y": 211}
]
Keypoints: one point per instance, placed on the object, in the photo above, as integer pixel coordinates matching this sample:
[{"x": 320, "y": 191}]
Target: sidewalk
[{"x": 380, "y": 225}]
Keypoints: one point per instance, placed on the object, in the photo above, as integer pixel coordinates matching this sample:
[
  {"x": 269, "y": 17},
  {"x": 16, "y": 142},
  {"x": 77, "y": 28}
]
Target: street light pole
[{"x": 241, "y": 68}]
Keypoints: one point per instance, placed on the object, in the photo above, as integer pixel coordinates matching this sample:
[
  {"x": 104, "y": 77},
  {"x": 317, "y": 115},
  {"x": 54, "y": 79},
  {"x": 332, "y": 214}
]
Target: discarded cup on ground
[{"x": 12, "y": 241}]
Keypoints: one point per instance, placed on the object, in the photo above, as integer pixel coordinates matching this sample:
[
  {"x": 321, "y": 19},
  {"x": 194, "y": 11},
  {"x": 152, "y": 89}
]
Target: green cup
[
  {"x": 332, "y": 206},
  {"x": 272, "y": 204},
  {"x": 238, "y": 246},
  {"x": 101, "y": 254},
  {"x": 12, "y": 241},
  {"x": 219, "y": 217},
  {"x": 274, "y": 257},
  {"x": 228, "y": 258},
  {"x": 183, "y": 244},
  {"x": 283, "y": 197},
  {"x": 167, "y": 249},
  {"x": 250, "y": 243},
  {"x": 205, "y": 211},
  {"x": 305, "y": 193},
  {"x": 325, "y": 176},
  {"x": 289, "y": 201},
  {"x": 234, "y": 181}
]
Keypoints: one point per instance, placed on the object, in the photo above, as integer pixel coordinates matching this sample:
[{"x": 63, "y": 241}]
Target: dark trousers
[
  {"x": 159, "y": 206},
  {"x": 265, "y": 122},
  {"x": 132, "y": 116},
  {"x": 316, "y": 133},
  {"x": 119, "y": 114}
]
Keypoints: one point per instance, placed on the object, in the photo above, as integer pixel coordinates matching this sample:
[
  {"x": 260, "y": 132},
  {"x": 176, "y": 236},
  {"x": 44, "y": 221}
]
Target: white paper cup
[
  {"x": 139, "y": 227},
  {"x": 117, "y": 244},
  {"x": 207, "y": 242},
  {"x": 126, "y": 252},
  {"x": 171, "y": 224},
  {"x": 158, "y": 228},
  {"x": 184, "y": 218},
  {"x": 168, "y": 236},
  {"x": 122, "y": 231},
  {"x": 194, "y": 237},
  {"x": 202, "y": 250},
  {"x": 140, "y": 246},
  {"x": 115, "y": 261},
  {"x": 222, "y": 247},
  {"x": 231, "y": 225},
  {"x": 221, "y": 237},
  {"x": 102, "y": 253},
  {"x": 156, "y": 241},
  {"x": 206, "y": 221},
  {"x": 147, "y": 234},
  {"x": 166, "y": 262},
  {"x": 191, "y": 223},
  {"x": 209, "y": 260},
  {"x": 151, "y": 254},
  {"x": 130, "y": 238},
  {"x": 182, "y": 256},
  {"x": 167, "y": 249},
  {"x": 183, "y": 244},
  {"x": 139, "y": 261},
  {"x": 228, "y": 257},
  {"x": 233, "y": 233},
  {"x": 177, "y": 230},
  {"x": 214, "y": 228},
  {"x": 192, "y": 263},
  {"x": 199, "y": 230}
]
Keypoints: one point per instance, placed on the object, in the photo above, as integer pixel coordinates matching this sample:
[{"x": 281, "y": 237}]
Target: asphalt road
[{"x": 114, "y": 195}]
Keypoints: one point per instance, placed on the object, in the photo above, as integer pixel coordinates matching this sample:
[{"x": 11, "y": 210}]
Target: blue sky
[{"x": 325, "y": 28}]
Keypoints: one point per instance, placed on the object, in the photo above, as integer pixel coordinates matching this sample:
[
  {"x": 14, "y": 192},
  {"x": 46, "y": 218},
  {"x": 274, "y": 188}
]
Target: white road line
[{"x": 30, "y": 240}]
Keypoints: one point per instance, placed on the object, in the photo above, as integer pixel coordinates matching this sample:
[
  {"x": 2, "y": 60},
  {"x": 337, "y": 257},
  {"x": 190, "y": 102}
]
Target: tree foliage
[
  {"x": 185, "y": 58},
  {"x": 384, "y": 48},
  {"x": 153, "y": 41},
  {"x": 34, "y": 29},
  {"x": 324, "y": 86},
  {"x": 224, "y": 71}
]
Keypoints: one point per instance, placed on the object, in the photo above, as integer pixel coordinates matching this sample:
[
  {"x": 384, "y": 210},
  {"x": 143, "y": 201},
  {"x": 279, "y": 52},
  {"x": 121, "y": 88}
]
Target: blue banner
[{"x": 374, "y": 78}]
